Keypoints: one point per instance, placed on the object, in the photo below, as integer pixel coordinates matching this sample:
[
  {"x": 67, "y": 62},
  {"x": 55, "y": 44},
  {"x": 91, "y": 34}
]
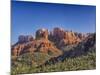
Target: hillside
[{"x": 56, "y": 50}]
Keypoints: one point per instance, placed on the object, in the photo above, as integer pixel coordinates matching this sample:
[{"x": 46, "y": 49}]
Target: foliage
[{"x": 84, "y": 62}]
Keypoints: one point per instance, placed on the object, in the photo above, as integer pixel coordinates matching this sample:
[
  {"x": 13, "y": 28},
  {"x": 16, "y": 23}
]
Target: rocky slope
[
  {"x": 56, "y": 50},
  {"x": 83, "y": 48},
  {"x": 58, "y": 43}
]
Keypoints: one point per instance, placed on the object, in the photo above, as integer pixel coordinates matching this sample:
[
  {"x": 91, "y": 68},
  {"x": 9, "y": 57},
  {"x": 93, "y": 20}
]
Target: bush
[{"x": 84, "y": 62}]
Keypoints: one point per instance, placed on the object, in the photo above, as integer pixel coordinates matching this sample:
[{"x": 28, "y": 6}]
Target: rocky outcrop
[
  {"x": 42, "y": 33},
  {"x": 24, "y": 42},
  {"x": 28, "y": 44},
  {"x": 56, "y": 35},
  {"x": 46, "y": 46},
  {"x": 81, "y": 35},
  {"x": 69, "y": 39},
  {"x": 64, "y": 38},
  {"x": 85, "y": 46},
  {"x": 50, "y": 43},
  {"x": 24, "y": 39}
]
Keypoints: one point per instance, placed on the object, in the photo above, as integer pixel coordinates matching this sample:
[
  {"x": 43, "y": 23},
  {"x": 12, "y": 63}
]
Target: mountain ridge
[
  {"x": 50, "y": 49},
  {"x": 58, "y": 37}
]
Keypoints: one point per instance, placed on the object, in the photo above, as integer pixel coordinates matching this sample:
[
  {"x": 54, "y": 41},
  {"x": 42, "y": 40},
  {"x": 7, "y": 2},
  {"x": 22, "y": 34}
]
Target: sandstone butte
[{"x": 46, "y": 41}]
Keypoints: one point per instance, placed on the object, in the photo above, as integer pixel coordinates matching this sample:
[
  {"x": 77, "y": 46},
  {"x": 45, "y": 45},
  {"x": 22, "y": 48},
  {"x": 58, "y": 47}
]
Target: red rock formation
[
  {"x": 45, "y": 46},
  {"x": 45, "y": 42},
  {"x": 42, "y": 33},
  {"x": 23, "y": 45},
  {"x": 41, "y": 45},
  {"x": 62, "y": 38},
  {"x": 24, "y": 39}
]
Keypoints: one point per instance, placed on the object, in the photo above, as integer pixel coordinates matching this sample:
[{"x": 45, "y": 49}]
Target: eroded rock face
[
  {"x": 63, "y": 38},
  {"x": 21, "y": 48},
  {"x": 47, "y": 42},
  {"x": 71, "y": 38},
  {"x": 42, "y": 33},
  {"x": 58, "y": 33},
  {"x": 24, "y": 39},
  {"x": 46, "y": 46},
  {"x": 23, "y": 45},
  {"x": 87, "y": 45},
  {"x": 21, "y": 39},
  {"x": 41, "y": 45},
  {"x": 81, "y": 36}
]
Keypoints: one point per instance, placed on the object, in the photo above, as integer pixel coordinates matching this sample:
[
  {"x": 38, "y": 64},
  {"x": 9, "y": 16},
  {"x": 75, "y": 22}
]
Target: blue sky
[{"x": 27, "y": 17}]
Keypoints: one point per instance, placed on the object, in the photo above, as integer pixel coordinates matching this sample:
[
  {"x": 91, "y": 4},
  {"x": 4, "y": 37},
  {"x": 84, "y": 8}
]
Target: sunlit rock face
[
  {"x": 56, "y": 35},
  {"x": 62, "y": 38},
  {"x": 81, "y": 36},
  {"x": 39, "y": 44},
  {"x": 42, "y": 33},
  {"x": 23, "y": 43},
  {"x": 49, "y": 41}
]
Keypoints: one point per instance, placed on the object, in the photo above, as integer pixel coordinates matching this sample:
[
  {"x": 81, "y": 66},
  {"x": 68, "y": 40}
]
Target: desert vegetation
[{"x": 54, "y": 51}]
